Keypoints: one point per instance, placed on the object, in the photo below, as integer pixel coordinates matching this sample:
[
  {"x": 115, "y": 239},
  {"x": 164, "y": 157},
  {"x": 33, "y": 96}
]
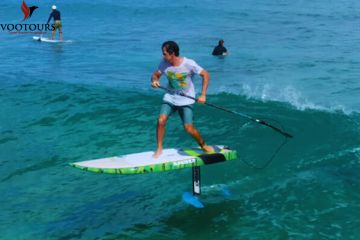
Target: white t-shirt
[{"x": 180, "y": 78}]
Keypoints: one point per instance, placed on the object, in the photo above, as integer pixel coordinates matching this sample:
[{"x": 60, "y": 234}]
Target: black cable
[{"x": 270, "y": 159}]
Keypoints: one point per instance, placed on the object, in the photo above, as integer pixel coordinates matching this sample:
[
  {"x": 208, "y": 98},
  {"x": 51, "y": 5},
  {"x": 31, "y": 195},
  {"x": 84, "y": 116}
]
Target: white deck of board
[
  {"x": 42, "y": 39},
  {"x": 138, "y": 159}
]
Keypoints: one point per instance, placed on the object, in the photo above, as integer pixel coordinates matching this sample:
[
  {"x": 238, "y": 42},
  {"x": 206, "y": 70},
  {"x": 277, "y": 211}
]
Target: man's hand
[
  {"x": 155, "y": 84},
  {"x": 201, "y": 99}
]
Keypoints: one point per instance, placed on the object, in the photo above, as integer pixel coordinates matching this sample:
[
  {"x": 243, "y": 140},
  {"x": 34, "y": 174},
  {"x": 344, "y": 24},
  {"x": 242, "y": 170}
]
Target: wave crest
[{"x": 288, "y": 94}]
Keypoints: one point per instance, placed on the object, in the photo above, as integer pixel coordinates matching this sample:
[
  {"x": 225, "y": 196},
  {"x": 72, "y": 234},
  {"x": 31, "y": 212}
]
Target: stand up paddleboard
[
  {"x": 42, "y": 39},
  {"x": 170, "y": 159}
]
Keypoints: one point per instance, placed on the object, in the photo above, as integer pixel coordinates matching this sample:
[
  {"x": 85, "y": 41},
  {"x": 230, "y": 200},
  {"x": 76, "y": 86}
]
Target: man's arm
[
  {"x": 214, "y": 51},
  {"x": 155, "y": 83},
  {"x": 225, "y": 52},
  {"x": 51, "y": 15},
  {"x": 205, "y": 83}
]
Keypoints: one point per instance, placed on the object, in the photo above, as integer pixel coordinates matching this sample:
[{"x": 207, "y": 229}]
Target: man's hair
[
  {"x": 221, "y": 42},
  {"x": 171, "y": 47}
]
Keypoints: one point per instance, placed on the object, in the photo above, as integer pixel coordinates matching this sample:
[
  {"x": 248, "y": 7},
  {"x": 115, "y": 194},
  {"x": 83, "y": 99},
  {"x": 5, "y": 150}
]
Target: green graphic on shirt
[{"x": 177, "y": 80}]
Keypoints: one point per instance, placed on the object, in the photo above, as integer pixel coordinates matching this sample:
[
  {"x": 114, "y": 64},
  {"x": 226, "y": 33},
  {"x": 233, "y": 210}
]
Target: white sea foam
[{"x": 288, "y": 94}]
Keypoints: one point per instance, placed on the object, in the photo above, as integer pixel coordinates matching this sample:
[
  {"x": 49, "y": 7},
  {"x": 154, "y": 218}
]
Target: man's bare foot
[
  {"x": 207, "y": 149},
  {"x": 157, "y": 153}
]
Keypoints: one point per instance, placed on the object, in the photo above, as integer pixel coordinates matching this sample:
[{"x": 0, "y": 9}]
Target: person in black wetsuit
[
  {"x": 220, "y": 50},
  {"x": 57, "y": 22}
]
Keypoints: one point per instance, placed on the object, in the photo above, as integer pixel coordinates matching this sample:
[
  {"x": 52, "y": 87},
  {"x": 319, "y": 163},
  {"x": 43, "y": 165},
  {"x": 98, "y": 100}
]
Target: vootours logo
[{"x": 26, "y": 28}]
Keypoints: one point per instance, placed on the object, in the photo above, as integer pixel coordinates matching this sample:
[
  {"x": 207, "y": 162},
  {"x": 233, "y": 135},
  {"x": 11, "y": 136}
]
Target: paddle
[{"x": 233, "y": 112}]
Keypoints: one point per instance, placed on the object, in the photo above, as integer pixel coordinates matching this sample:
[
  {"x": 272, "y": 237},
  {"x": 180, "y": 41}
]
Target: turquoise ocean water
[{"x": 291, "y": 63}]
